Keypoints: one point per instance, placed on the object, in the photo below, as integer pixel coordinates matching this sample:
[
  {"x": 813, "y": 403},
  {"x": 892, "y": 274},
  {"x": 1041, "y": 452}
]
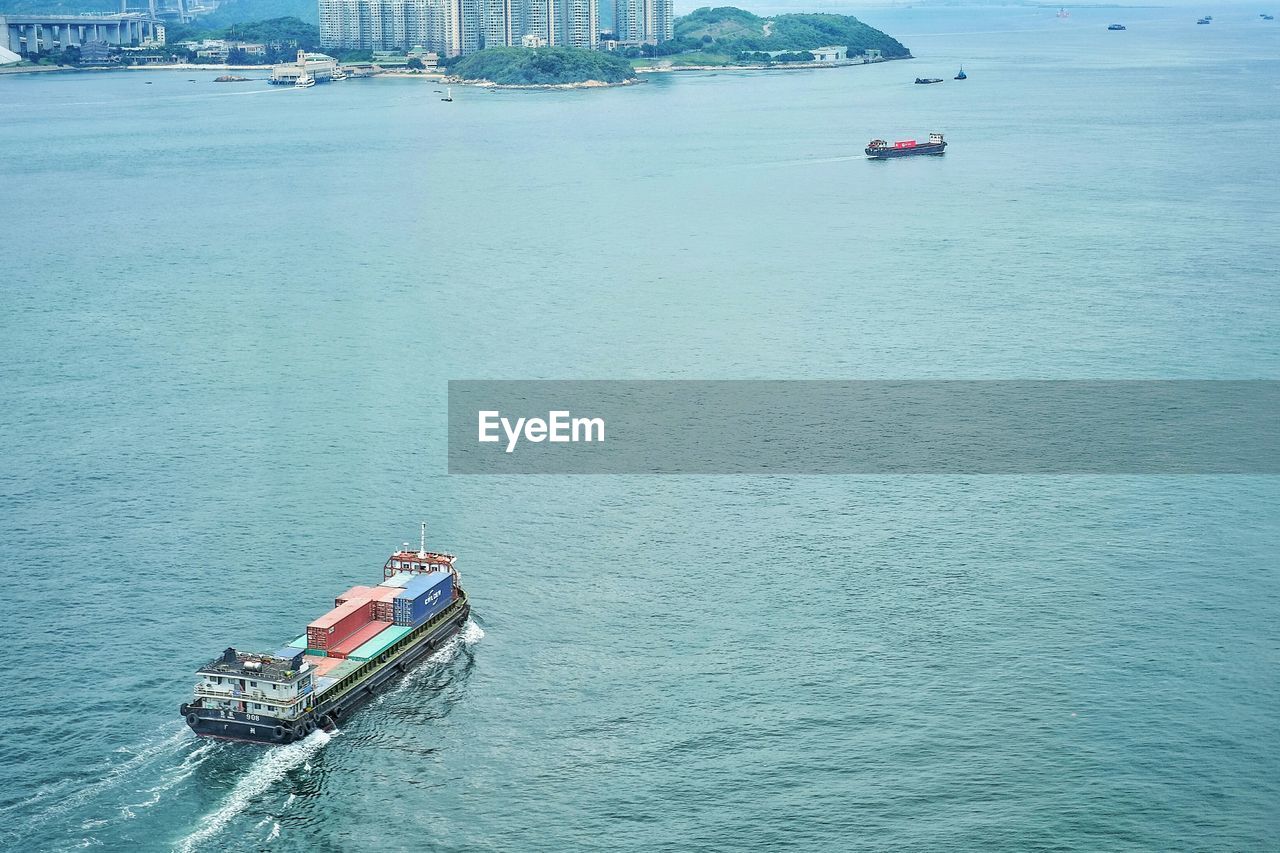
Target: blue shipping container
[{"x": 423, "y": 597}]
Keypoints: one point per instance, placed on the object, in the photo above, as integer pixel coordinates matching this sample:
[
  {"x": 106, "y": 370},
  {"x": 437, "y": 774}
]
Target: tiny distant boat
[
  {"x": 1116, "y": 27},
  {"x": 338, "y": 75},
  {"x": 306, "y": 81},
  {"x": 878, "y": 149},
  {"x": 1203, "y": 21},
  {"x": 925, "y": 80},
  {"x": 148, "y": 82},
  {"x": 1063, "y": 13},
  {"x": 962, "y": 75},
  {"x": 448, "y": 95},
  {"x": 1267, "y": 17}
]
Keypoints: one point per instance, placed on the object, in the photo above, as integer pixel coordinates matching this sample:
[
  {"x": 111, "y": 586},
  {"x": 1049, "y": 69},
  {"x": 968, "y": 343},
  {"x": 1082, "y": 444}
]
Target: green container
[
  {"x": 320, "y": 653},
  {"x": 380, "y": 643},
  {"x": 300, "y": 643},
  {"x": 343, "y": 669}
]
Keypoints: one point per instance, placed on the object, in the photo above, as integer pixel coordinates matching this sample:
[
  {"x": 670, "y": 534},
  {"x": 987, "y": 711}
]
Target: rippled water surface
[{"x": 229, "y": 315}]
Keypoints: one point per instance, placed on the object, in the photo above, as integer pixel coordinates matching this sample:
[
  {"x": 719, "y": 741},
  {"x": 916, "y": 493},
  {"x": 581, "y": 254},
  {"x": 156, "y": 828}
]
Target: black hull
[
  {"x": 918, "y": 150},
  {"x": 265, "y": 729}
]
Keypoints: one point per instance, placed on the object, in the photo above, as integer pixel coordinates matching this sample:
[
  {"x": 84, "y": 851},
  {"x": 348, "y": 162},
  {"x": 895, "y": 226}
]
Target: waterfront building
[
  {"x": 317, "y": 66},
  {"x": 836, "y": 53},
  {"x": 94, "y": 53}
]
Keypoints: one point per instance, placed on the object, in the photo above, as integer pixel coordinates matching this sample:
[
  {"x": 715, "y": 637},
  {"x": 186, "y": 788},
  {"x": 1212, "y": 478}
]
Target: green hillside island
[
  {"x": 543, "y": 66},
  {"x": 727, "y": 35}
]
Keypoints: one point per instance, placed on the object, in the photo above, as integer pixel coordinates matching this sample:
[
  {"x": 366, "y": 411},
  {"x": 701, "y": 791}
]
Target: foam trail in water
[
  {"x": 809, "y": 161},
  {"x": 469, "y": 635},
  {"x": 114, "y": 777},
  {"x": 264, "y": 773}
]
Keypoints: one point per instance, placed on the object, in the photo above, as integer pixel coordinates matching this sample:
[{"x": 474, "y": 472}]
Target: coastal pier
[{"x": 26, "y": 35}]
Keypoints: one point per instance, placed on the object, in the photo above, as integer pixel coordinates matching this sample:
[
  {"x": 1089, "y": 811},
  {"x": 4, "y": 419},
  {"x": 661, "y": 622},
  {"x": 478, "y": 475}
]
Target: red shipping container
[
  {"x": 366, "y": 593},
  {"x": 356, "y": 640},
  {"x": 338, "y": 624},
  {"x": 381, "y": 603},
  {"x": 356, "y": 593}
]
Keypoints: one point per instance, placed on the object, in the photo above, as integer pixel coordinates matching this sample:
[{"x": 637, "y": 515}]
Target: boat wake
[
  {"x": 265, "y": 772},
  {"x": 468, "y": 636},
  {"x": 809, "y": 161},
  {"x": 123, "y": 780},
  {"x": 172, "y": 777},
  {"x": 112, "y": 777}
]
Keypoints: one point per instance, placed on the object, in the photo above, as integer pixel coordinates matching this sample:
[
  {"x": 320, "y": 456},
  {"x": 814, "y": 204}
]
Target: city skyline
[{"x": 459, "y": 27}]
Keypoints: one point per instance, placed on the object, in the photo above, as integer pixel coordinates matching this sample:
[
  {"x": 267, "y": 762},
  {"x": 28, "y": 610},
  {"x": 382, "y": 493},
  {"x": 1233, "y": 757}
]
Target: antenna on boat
[{"x": 422, "y": 541}]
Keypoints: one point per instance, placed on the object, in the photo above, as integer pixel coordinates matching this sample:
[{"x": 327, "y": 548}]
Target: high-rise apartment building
[
  {"x": 644, "y": 21},
  {"x": 454, "y": 27},
  {"x": 581, "y": 23},
  {"x": 542, "y": 22}
]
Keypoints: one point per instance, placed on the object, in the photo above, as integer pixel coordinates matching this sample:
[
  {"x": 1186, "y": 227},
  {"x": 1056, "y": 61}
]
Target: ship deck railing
[{"x": 243, "y": 695}]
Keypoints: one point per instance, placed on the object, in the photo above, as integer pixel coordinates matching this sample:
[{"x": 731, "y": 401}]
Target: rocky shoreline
[
  {"x": 583, "y": 84},
  {"x": 779, "y": 66}
]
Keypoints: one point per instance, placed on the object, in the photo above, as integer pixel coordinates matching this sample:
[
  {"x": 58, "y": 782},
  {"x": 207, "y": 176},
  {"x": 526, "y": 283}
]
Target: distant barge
[
  {"x": 373, "y": 635},
  {"x": 878, "y": 149}
]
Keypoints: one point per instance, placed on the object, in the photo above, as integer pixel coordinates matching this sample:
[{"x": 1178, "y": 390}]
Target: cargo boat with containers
[
  {"x": 372, "y": 635},
  {"x": 878, "y": 149}
]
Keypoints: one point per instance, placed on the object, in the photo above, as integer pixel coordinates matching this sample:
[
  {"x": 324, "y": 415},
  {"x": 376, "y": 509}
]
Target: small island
[
  {"x": 559, "y": 67},
  {"x": 728, "y": 36}
]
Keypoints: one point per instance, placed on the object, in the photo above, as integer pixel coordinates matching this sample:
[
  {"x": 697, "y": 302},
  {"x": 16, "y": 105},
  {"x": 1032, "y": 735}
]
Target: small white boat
[
  {"x": 306, "y": 81},
  {"x": 338, "y": 74},
  {"x": 448, "y": 94}
]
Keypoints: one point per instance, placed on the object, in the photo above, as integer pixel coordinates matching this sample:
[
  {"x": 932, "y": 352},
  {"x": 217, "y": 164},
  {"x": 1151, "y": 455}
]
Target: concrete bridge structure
[{"x": 29, "y": 34}]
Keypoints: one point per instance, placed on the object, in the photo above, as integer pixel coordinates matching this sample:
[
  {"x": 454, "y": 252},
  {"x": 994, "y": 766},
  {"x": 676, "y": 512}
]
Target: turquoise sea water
[{"x": 230, "y": 311}]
